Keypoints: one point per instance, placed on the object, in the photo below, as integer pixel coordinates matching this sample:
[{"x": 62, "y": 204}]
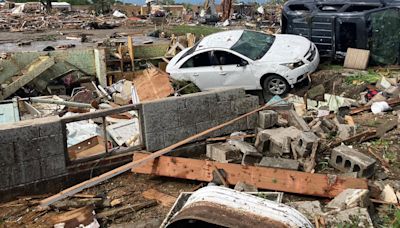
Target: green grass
[
  {"x": 370, "y": 77},
  {"x": 388, "y": 218},
  {"x": 198, "y": 30},
  {"x": 328, "y": 66}
]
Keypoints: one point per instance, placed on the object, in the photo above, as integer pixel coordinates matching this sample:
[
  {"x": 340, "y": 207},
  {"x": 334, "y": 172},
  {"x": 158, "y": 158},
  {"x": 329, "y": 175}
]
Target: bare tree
[{"x": 47, "y": 5}]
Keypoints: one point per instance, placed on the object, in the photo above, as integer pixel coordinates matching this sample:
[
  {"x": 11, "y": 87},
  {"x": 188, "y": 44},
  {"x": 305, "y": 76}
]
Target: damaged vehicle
[
  {"x": 336, "y": 25},
  {"x": 248, "y": 59}
]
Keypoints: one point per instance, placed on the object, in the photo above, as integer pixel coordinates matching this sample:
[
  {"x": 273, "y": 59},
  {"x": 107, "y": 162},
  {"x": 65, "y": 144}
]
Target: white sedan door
[
  {"x": 201, "y": 70},
  {"x": 235, "y": 71}
]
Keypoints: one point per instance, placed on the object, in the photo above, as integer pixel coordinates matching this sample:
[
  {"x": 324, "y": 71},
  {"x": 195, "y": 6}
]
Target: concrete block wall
[
  {"x": 170, "y": 120},
  {"x": 31, "y": 151}
]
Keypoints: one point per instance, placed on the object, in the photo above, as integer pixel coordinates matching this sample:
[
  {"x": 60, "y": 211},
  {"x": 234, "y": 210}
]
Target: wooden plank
[
  {"x": 131, "y": 52},
  {"x": 164, "y": 199},
  {"x": 115, "y": 172},
  {"x": 261, "y": 177},
  {"x": 356, "y": 59}
]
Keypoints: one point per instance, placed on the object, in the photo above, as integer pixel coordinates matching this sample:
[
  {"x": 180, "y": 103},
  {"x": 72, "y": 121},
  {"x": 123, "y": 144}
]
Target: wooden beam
[
  {"x": 29, "y": 73},
  {"x": 264, "y": 178},
  {"x": 115, "y": 172},
  {"x": 164, "y": 199},
  {"x": 131, "y": 52}
]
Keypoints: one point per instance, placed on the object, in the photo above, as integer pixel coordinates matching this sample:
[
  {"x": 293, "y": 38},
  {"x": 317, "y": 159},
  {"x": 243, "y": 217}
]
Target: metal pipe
[{"x": 66, "y": 103}]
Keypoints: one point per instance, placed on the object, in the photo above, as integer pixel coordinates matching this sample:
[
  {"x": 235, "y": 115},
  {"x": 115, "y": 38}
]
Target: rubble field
[{"x": 106, "y": 90}]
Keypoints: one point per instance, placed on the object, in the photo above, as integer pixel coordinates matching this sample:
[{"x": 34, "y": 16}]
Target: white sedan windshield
[{"x": 253, "y": 44}]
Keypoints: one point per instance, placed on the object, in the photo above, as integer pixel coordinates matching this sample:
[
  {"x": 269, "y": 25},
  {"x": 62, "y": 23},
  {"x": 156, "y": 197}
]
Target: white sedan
[{"x": 248, "y": 59}]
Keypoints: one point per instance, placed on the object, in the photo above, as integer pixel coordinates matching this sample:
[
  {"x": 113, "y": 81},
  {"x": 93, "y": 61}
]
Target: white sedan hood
[{"x": 287, "y": 48}]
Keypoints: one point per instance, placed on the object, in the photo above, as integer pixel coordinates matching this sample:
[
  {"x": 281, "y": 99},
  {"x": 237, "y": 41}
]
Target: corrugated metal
[{"x": 229, "y": 208}]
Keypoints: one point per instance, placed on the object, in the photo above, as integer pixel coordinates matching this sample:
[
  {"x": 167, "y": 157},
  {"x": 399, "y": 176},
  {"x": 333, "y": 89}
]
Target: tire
[{"x": 275, "y": 85}]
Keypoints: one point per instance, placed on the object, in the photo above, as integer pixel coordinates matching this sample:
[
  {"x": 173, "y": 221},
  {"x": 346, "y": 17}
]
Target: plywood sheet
[
  {"x": 152, "y": 84},
  {"x": 356, "y": 59}
]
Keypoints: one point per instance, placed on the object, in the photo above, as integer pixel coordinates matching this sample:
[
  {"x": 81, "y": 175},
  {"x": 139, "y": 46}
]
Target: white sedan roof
[{"x": 224, "y": 39}]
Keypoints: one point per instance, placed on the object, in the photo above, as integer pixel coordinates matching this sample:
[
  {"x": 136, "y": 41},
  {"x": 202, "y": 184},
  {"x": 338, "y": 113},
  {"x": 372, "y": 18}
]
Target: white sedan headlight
[{"x": 293, "y": 65}]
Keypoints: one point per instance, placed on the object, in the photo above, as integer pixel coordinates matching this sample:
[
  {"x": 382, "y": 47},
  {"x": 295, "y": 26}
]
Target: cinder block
[
  {"x": 245, "y": 104},
  {"x": 16, "y": 133},
  {"x": 202, "y": 126},
  {"x": 26, "y": 150},
  {"x": 154, "y": 141},
  {"x": 7, "y": 154},
  {"x": 277, "y": 140},
  {"x": 32, "y": 171},
  {"x": 152, "y": 122},
  {"x": 356, "y": 216},
  {"x": 18, "y": 174},
  {"x": 252, "y": 121},
  {"x": 245, "y": 147},
  {"x": 295, "y": 120},
  {"x": 175, "y": 135},
  {"x": 53, "y": 166},
  {"x": 193, "y": 115},
  {"x": 223, "y": 152},
  {"x": 267, "y": 118},
  {"x": 345, "y": 131},
  {"x": 304, "y": 143},
  {"x": 262, "y": 143},
  {"x": 221, "y": 109},
  {"x": 224, "y": 94},
  {"x": 279, "y": 163},
  {"x": 310, "y": 209},
  {"x": 251, "y": 159},
  {"x": 50, "y": 145},
  {"x": 5, "y": 177},
  {"x": 350, "y": 198},
  {"x": 51, "y": 128},
  {"x": 347, "y": 159}
]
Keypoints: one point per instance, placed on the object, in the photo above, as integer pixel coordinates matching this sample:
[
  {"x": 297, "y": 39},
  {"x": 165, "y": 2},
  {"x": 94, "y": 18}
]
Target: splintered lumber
[
  {"x": 164, "y": 199},
  {"x": 81, "y": 216},
  {"x": 121, "y": 211},
  {"x": 264, "y": 178},
  {"x": 391, "y": 102},
  {"x": 360, "y": 137},
  {"x": 115, "y": 172}
]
